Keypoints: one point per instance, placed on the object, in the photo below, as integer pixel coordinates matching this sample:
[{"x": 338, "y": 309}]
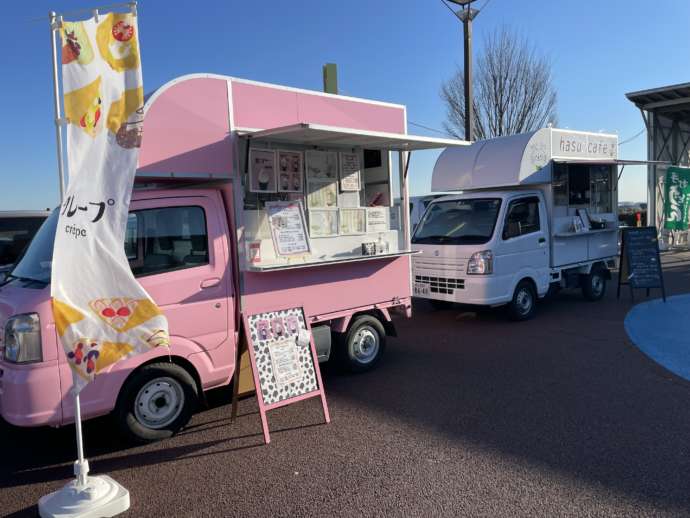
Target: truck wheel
[
  {"x": 362, "y": 347},
  {"x": 524, "y": 302},
  {"x": 594, "y": 284},
  {"x": 156, "y": 402}
]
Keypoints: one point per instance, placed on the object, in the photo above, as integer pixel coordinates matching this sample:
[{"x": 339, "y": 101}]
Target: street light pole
[{"x": 466, "y": 14}]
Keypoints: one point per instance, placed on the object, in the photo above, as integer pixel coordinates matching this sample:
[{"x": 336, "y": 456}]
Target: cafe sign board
[{"x": 576, "y": 144}]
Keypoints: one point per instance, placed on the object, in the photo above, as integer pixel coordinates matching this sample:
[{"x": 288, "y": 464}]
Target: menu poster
[
  {"x": 288, "y": 229},
  {"x": 352, "y": 221},
  {"x": 290, "y": 171},
  {"x": 322, "y": 195},
  {"x": 322, "y": 165},
  {"x": 285, "y": 361},
  {"x": 349, "y": 200},
  {"x": 349, "y": 172},
  {"x": 323, "y": 223},
  {"x": 262, "y": 170},
  {"x": 377, "y": 219}
]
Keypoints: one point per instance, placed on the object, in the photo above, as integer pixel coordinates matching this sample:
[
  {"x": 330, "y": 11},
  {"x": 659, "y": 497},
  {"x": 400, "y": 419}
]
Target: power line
[
  {"x": 431, "y": 129},
  {"x": 633, "y": 137}
]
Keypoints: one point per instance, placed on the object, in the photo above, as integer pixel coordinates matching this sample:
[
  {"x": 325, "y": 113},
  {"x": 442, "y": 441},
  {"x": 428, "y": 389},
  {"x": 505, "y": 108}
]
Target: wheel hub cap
[
  {"x": 597, "y": 285},
  {"x": 524, "y": 301},
  {"x": 365, "y": 346},
  {"x": 159, "y": 402}
]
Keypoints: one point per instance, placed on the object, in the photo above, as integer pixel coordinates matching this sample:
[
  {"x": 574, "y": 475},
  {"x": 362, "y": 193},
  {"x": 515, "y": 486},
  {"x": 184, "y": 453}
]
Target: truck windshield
[
  {"x": 469, "y": 221},
  {"x": 15, "y": 234},
  {"x": 36, "y": 261}
]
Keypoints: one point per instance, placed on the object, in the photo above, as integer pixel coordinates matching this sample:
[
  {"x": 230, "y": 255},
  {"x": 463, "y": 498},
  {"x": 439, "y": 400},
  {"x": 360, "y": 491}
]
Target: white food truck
[{"x": 536, "y": 212}]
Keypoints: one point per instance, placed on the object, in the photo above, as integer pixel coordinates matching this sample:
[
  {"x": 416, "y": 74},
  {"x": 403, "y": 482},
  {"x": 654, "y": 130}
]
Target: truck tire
[
  {"x": 594, "y": 284},
  {"x": 524, "y": 302},
  {"x": 360, "y": 349},
  {"x": 156, "y": 402}
]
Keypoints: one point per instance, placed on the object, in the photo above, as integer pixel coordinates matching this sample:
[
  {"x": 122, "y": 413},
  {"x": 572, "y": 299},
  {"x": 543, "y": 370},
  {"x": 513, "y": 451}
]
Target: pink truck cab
[{"x": 198, "y": 241}]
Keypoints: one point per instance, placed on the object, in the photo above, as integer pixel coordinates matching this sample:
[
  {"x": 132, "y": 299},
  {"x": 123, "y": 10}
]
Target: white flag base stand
[
  {"x": 101, "y": 496},
  {"x": 84, "y": 497}
]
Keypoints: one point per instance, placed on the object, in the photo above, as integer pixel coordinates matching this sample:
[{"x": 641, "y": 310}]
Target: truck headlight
[
  {"x": 23, "y": 339},
  {"x": 481, "y": 263}
]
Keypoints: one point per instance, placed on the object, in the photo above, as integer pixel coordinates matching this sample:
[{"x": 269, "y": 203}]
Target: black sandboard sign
[{"x": 640, "y": 262}]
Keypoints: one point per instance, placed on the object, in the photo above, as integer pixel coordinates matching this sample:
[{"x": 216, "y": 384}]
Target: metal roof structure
[
  {"x": 666, "y": 114},
  {"x": 671, "y": 101}
]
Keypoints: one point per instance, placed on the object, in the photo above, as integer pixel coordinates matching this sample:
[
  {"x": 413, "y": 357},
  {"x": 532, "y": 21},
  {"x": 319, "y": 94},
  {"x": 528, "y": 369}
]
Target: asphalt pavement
[{"x": 468, "y": 415}]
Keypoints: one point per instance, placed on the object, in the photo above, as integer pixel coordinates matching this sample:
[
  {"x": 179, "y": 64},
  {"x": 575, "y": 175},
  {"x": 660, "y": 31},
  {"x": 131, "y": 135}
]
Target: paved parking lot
[{"x": 469, "y": 414}]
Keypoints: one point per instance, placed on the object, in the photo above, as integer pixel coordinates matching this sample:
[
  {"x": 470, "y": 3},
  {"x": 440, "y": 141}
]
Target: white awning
[{"x": 321, "y": 135}]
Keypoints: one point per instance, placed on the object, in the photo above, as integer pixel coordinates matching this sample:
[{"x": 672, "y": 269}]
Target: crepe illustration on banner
[{"x": 102, "y": 314}]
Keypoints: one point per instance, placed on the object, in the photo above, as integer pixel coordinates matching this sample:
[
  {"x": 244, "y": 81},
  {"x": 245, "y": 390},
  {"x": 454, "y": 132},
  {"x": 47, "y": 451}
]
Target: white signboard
[
  {"x": 352, "y": 221},
  {"x": 377, "y": 219},
  {"x": 285, "y": 362},
  {"x": 322, "y": 165},
  {"x": 323, "y": 223},
  {"x": 290, "y": 171},
  {"x": 288, "y": 229},
  {"x": 572, "y": 144},
  {"x": 349, "y": 172},
  {"x": 262, "y": 170}
]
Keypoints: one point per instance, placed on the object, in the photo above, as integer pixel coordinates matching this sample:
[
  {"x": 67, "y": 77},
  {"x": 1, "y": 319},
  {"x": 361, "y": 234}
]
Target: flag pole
[
  {"x": 81, "y": 467},
  {"x": 55, "y": 25}
]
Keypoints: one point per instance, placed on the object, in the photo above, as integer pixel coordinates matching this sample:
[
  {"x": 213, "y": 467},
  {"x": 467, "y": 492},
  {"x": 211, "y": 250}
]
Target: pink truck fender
[{"x": 209, "y": 369}]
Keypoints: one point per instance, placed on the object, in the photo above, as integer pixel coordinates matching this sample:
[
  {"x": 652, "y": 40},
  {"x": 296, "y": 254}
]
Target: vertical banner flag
[
  {"x": 101, "y": 312},
  {"x": 677, "y": 198}
]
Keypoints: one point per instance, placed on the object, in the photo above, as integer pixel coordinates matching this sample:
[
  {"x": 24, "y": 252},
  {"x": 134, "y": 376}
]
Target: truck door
[
  {"x": 177, "y": 248},
  {"x": 524, "y": 248}
]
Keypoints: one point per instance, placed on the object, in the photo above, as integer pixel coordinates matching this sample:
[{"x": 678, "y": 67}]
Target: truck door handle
[
  {"x": 209, "y": 283},
  {"x": 542, "y": 240}
]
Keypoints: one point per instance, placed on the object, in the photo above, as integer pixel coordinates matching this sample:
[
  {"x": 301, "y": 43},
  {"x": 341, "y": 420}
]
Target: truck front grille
[{"x": 441, "y": 284}]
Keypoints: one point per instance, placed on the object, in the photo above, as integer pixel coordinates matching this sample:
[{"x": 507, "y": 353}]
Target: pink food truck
[{"x": 249, "y": 197}]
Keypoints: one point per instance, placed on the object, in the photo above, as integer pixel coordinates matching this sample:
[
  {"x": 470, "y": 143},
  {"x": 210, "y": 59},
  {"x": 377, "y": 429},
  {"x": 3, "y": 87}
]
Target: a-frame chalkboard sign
[{"x": 640, "y": 264}]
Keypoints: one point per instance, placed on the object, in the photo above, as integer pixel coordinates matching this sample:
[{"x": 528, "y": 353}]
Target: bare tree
[{"x": 513, "y": 90}]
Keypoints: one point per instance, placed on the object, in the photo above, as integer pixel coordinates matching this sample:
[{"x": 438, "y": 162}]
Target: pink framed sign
[{"x": 284, "y": 363}]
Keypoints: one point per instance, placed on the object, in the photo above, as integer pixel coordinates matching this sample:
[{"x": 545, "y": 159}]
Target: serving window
[
  {"x": 313, "y": 204},
  {"x": 579, "y": 186}
]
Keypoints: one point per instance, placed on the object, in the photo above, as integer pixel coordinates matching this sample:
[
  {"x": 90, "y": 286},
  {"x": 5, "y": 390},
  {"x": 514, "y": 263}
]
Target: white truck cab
[{"x": 536, "y": 212}]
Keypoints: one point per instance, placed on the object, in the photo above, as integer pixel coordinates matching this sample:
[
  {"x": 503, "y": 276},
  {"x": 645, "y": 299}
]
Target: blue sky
[{"x": 398, "y": 51}]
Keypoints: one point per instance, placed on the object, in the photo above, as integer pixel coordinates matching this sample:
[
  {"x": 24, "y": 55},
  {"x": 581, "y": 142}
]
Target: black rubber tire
[
  {"x": 594, "y": 284},
  {"x": 517, "y": 309},
  {"x": 345, "y": 350},
  {"x": 135, "y": 431},
  {"x": 440, "y": 305}
]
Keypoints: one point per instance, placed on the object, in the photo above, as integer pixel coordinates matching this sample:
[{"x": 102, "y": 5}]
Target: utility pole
[{"x": 466, "y": 14}]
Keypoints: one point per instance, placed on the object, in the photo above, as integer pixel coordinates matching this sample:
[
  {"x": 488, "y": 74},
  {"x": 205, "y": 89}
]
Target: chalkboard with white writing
[{"x": 640, "y": 263}]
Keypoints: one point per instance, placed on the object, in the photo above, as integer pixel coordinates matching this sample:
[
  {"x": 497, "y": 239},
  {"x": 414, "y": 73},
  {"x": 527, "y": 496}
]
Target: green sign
[{"x": 677, "y": 198}]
